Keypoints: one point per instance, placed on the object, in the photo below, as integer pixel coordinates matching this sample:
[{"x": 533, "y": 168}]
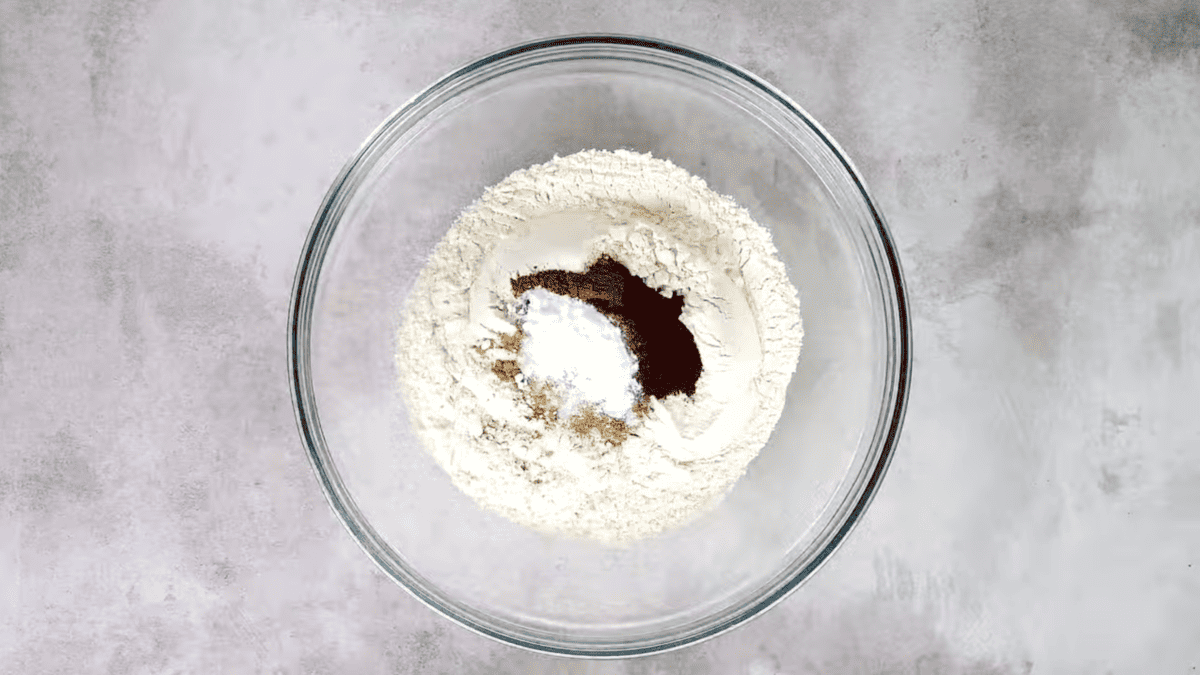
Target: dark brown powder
[{"x": 668, "y": 360}]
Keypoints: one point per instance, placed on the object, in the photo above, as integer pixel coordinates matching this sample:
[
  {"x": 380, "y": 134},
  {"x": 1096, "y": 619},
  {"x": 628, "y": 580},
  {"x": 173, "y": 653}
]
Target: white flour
[{"x": 500, "y": 439}]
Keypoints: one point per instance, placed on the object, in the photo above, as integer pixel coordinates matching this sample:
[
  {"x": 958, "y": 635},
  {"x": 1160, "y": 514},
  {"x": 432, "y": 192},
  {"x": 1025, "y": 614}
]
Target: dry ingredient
[
  {"x": 527, "y": 399},
  {"x": 668, "y": 361},
  {"x": 569, "y": 342}
]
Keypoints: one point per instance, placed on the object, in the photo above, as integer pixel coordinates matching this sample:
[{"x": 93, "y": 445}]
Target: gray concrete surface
[{"x": 159, "y": 166}]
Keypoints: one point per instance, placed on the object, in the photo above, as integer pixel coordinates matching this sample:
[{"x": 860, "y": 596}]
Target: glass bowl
[{"x": 404, "y": 188}]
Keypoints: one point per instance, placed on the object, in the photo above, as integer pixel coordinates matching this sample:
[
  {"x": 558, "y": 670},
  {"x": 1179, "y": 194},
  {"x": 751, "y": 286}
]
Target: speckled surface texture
[{"x": 159, "y": 167}]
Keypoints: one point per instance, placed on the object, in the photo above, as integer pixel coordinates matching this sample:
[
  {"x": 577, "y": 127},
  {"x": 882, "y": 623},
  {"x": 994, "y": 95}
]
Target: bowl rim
[{"x": 299, "y": 356}]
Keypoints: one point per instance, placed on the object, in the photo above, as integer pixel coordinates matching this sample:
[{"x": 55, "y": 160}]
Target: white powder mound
[
  {"x": 571, "y": 343},
  {"x": 510, "y": 441}
]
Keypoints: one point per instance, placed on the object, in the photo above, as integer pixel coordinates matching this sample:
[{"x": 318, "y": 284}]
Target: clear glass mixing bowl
[{"x": 401, "y": 192}]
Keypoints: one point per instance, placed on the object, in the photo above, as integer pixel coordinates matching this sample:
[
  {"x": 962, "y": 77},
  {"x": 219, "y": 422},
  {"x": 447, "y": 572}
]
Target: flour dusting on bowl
[{"x": 599, "y": 346}]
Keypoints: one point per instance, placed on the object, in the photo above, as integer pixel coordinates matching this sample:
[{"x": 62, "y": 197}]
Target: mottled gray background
[{"x": 159, "y": 166}]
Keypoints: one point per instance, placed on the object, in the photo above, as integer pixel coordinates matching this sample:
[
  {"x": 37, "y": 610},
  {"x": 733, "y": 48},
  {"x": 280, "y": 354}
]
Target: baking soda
[{"x": 571, "y": 344}]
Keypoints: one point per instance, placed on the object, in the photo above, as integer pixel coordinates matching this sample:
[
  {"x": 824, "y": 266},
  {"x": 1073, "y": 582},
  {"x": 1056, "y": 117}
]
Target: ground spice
[
  {"x": 612, "y": 431},
  {"x": 506, "y": 369}
]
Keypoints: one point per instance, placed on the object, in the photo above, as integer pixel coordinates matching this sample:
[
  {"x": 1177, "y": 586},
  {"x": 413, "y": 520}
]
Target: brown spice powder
[
  {"x": 512, "y": 343},
  {"x": 509, "y": 343},
  {"x": 642, "y": 407},
  {"x": 612, "y": 431},
  {"x": 543, "y": 403},
  {"x": 506, "y": 369}
]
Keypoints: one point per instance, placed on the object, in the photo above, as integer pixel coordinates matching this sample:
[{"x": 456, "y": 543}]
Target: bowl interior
[{"x": 794, "y": 503}]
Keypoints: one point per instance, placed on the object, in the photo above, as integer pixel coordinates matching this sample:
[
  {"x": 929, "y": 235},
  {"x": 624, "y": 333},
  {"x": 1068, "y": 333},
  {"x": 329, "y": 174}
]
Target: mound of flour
[{"x": 499, "y": 433}]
